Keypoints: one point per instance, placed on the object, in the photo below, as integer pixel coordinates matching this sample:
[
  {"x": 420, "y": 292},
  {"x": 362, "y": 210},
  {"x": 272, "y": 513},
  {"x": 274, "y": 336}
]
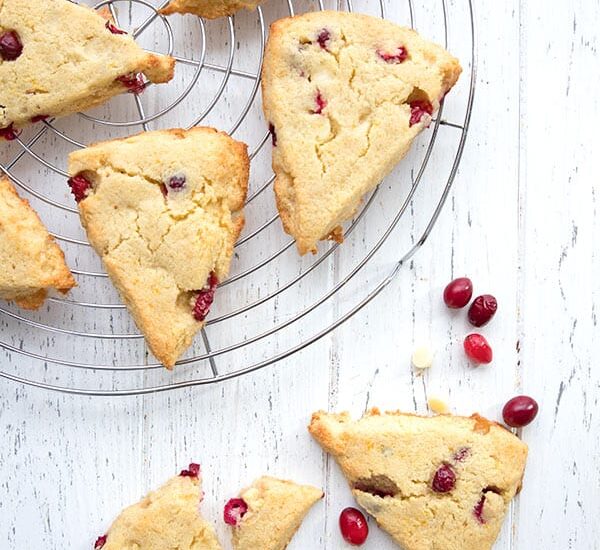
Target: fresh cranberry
[
  {"x": 193, "y": 470},
  {"x": 9, "y": 133},
  {"x": 482, "y": 310},
  {"x": 114, "y": 29},
  {"x": 462, "y": 454},
  {"x": 320, "y": 102},
  {"x": 234, "y": 511},
  {"x": 478, "y": 349},
  {"x": 520, "y": 411},
  {"x": 273, "y": 135},
  {"x": 133, "y": 82},
  {"x": 100, "y": 542},
  {"x": 177, "y": 183},
  {"x": 38, "y": 118},
  {"x": 444, "y": 479},
  {"x": 10, "y": 46},
  {"x": 80, "y": 187},
  {"x": 478, "y": 510},
  {"x": 458, "y": 293},
  {"x": 418, "y": 109},
  {"x": 399, "y": 56},
  {"x": 205, "y": 298},
  {"x": 353, "y": 526},
  {"x": 323, "y": 38}
]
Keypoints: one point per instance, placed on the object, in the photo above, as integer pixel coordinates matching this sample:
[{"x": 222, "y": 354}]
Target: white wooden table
[{"x": 522, "y": 221}]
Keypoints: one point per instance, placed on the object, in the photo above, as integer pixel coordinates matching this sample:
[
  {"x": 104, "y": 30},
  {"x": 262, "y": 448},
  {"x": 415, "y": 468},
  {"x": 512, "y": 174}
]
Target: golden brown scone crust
[
  {"x": 160, "y": 248},
  {"x": 328, "y": 156},
  {"x": 30, "y": 260},
  {"x": 70, "y": 61},
  {"x": 211, "y": 9},
  {"x": 390, "y": 459}
]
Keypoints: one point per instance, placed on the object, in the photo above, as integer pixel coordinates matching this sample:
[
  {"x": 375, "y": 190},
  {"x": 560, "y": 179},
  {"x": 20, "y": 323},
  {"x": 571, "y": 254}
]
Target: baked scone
[
  {"x": 433, "y": 483},
  {"x": 30, "y": 260},
  {"x": 166, "y": 518},
  {"x": 268, "y": 514},
  {"x": 345, "y": 95},
  {"x": 62, "y": 58},
  {"x": 163, "y": 209},
  {"x": 211, "y": 9}
]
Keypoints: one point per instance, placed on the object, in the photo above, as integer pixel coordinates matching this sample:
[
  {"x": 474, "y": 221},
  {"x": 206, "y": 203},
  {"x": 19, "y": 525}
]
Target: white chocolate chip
[
  {"x": 422, "y": 357},
  {"x": 437, "y": 406}
]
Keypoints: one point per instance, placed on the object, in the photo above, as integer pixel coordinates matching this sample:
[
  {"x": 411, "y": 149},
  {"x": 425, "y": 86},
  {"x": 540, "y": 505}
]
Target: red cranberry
[
  {"x": 321, "y": 104},
  {"x": 399, "y": 56},
  {"x": 10, "y": 46},
  {"x": 177, "y": 183},
  {"x": 9, "y": 133},
  {"x": 482, "y": 310},
  {"x": 444, "y": 479},
  {"x": 205, "y": 298},
  {"x": 353, "y": 526},
  {"x": 520, "y": 411},
  {"x": 133, "y": 82},
  {"x": 458, "y": 293},
  {"x": 80, "y": 187},
  {"x": 418, "y": 109},
  {"x": 234, "y": 511},
  {"x": 478, "y": 349},
  {"x": 323, "y": 38},
  {"x": 462, "y": 454},
  {"x": 478, "y": 510},
  {"x": 273, "y": 135},
  {"x": 114, "y": 29},
  {"x": 193, "y": 470},
  {"x": 38, "y": 118},
  {"x": 100, "y": 542}
]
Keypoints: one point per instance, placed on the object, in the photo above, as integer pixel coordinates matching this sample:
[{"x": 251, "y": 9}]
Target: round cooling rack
[{"x": 274, "y": 302}]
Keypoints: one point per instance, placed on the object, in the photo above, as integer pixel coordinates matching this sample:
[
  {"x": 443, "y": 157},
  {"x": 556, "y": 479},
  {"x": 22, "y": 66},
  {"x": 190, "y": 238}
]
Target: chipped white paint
[{"x": 522, "y": 222}]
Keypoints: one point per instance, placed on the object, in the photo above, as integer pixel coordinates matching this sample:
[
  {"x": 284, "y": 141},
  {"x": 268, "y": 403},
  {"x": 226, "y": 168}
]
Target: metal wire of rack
[{"x": 284, "y": 301}]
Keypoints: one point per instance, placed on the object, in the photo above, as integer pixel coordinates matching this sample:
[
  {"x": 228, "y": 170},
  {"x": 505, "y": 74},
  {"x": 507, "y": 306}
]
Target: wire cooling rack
[{"x": 274, "y": 303}]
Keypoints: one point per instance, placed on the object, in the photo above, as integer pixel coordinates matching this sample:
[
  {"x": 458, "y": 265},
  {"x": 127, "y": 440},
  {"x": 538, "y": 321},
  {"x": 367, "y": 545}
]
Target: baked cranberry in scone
[
  {"x": 345, "y": 96},
  {"x": 442, "y": 482},
  {"x": 163, "y": 209}
]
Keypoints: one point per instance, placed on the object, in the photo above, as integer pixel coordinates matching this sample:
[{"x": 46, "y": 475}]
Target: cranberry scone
[
  {"x": 166, "y": 518},
  {"x": 345, "y": 96},
  {"x": 268, "y": 513},
  {"x": 57, "y": 58},
  {"x": 31, "y": 262},
  {"x": 163, "y": 209},
  {"x": 211, "y": 9},
  {"x": 433, "y": 483}
]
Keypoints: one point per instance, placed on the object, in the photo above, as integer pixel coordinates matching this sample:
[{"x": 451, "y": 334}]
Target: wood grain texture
[{"x": 522, "y": 221}]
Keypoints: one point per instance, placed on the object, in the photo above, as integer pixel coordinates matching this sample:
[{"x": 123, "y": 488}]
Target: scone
[
  {"x": 345, "y": 96},
  {"x": 59, "y": 58},
  {"x": 163, "y": 209},
  {"x": 30, "y": 260},
  {"x": 433, "y": 483},
  {"x": 210, "y": 9},
  {"x": 166, "y": 518},
  {"x": 268, "y": 514}
]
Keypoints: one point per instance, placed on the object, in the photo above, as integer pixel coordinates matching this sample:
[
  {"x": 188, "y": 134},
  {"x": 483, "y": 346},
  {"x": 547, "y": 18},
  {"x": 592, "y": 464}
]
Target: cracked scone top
[
  {"x": 67, "y": 59},
  {"x": 433, "y": 483},
  {"x": 163, "y": 209},
  {"x": 268, "y": 513},
  {"x": 345, "y": 95},
  {"x": 30, "y": 260},
  {"x": 210, "y": 9},
  {"x": 166, "y": 518}
]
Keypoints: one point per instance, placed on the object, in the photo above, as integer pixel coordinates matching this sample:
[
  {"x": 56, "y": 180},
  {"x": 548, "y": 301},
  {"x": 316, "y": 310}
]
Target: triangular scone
[
  {"x": 70, "y": 58},
  {"x": 167, "y": 518},
  {"x": 442, "y": 482},
  {"x": 30, "y": 260},
  {"x": 268, "y": 514},
  {"x": 210, "y": 9},
  {"x": 345, "y": 95},
  {"x": 163, "y": 209}
]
